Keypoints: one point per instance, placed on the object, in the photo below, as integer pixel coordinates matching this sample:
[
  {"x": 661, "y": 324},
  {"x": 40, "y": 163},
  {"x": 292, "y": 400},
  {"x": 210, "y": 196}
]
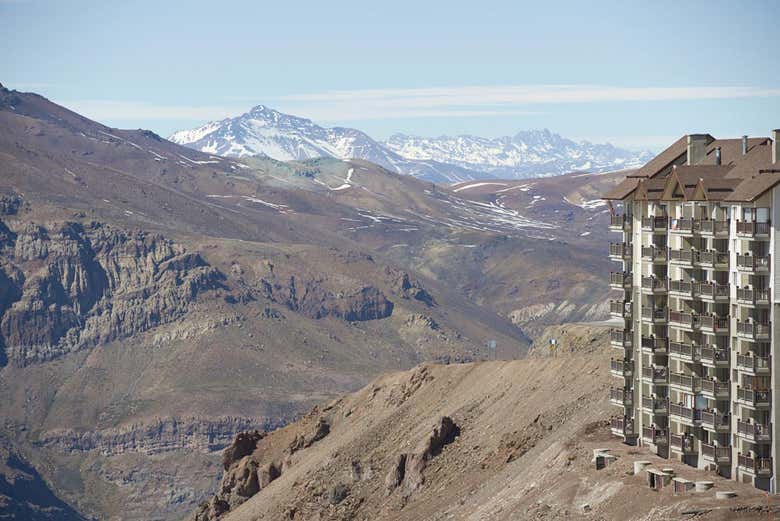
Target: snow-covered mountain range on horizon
[{"x": 536, "y": 153}]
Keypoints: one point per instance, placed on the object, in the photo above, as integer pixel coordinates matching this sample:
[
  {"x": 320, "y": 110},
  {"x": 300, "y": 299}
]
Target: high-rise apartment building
[{"x": 698, "y": 297}]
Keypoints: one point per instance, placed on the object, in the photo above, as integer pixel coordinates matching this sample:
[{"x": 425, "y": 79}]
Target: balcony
[
  {"x": 753, "y": 229},
  {"x": 715, "y": 421},
  {"x": 753, "y": 297},
  {"x": 753, "y": 330},
  {"x": 620, "y": 280},
  {"x": 654, "y": 254},
  {"x": 714, "y": 323},
  {"x": 683, "y": 257},
  {"x": 712, "y": 259},
  {"x": 654, "y": 224},
  {"x": 754, "y": 465},
  {"x": 685, "y": 352},
  {"x": 757, "y": 399},
  {"x": 618, "y": 223},
  {"x": 719, "y": 455},
  {"x": 623, "y": 427},
  {"x": 682, "y": 226},
  {"x": 713, "y": 356},
  {"x": 654, "y": 315},
  {"x": 655, "y": 345},
  {"x": 653, "y": 285},
  {"x": 681, "y": 288},
  {"x": 620, "y": 338},
  {"x": 684, "y": 414},
  {"x": 658, "y": 406},
  {"x": 682, "y": 319},
  {"x": 620, "y": 309},
  {"x": 755, "y": 365},
  {"x": 685, "y": 382},
  {"x": 714, "y": 389},
  {"x": 682, "y": 443},
  {"x": 754, "y": 432},
  {"x": 711, "y": 291},
  {"x": 753, "y": 263},
  {"x": 619, "y": 396},
  {"x": 619, "y": 251},
  {"x": 655, "y": 374},
  {"x": 655, "y": 435},
  {"x": 621, "y": 368},
  {"x": 711, "y": 228}
]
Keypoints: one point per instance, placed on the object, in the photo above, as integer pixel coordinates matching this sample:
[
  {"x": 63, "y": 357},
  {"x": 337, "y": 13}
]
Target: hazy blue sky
[{"x": 634, "y": 73}]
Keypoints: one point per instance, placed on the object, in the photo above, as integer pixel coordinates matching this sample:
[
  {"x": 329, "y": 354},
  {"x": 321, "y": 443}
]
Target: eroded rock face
[
  {"x": 313, "y": 298},
  {"x": 408, "y": 468},
  {"x": 68, "y": 286}
]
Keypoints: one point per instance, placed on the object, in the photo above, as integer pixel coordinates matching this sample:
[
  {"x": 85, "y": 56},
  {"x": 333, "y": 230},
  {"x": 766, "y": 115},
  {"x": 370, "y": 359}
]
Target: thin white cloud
[{"x": 438, "y": 102}]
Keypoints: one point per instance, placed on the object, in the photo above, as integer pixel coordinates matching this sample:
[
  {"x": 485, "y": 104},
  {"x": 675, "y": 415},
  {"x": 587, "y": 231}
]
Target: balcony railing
[
  {"x": 711, "y": 290},
  {"x": 623, "y": 426},
  {"x": 619, "y": 308},
  {"x": 682, "y": 350},
  {"x": 753, "y": 295},
  {"x": 714, "y": 356},
  {"x": 655, "y": 374},
  {"x": 655, "y": 404},
  {"x": 753, "y": 228},
  {"x": 620, "y": 337},
  {"x": 686, "y": 413},
  {"x": 653, "y": 253},
  {"x": 717, "y": 389},
  {"x": 714, "y": 420},
  {"x": 682, "y": 443},
  {"x": 690, "y": 383},
  {"x": 618, "y": 221},
  {"x": 655, "y": 435},
  {"x": 754, "y": 330},
  {"x": 754, "y": 431},
  {"x": 683, "y": 256},
  {"x": 655, "y": 344},
  {"x": 619, "y": 249},
  {"x": 654, "y": 314},
  {"x": 755, "y": 465},
  {"x": 620, "y": 396},
  {"x": 654, "y": 283},
  {"x": 681, "y": 225},
  {"x": 621, "y": 367},
  {"x": 714, "y": 322},
  {"x": 654, "y": 223},
  {"x": 683, "y": 319},
  {"x": 753, "y": 262},
  {"x": 681, "y": 286},
  {"x": 711, "y": 258},
  {"x": 711, "y": 227},
  {"x": 620, "y": 278},
  {"x": 755, "y": 364},
  {"x": 717, "y": 454},
  {"x": 754, "y": 397}
]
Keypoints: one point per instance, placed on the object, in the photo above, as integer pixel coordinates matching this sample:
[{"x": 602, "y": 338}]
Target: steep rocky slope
[{"x": 490, "y": 440}]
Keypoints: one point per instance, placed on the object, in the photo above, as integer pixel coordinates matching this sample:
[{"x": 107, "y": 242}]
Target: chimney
[
  {"x": 697, "y": 148},
  {"x": 717, "y": 156},
  {"x": 744, "y": 145},
  {"x": 775, "y": 146}
]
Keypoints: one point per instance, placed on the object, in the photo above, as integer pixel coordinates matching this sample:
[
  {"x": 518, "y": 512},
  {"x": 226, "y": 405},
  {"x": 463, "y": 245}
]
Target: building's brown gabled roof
[{"x": 739, "y": 178}]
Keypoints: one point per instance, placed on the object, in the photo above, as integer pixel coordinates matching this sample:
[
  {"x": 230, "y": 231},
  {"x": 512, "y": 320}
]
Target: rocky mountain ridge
[{"x": 267, "y": 132}]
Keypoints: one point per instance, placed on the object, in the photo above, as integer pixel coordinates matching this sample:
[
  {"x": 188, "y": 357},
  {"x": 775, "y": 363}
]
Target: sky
[{"x": 636, "y": 74}]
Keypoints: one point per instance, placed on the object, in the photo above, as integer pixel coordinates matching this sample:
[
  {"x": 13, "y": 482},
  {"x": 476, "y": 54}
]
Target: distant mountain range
[{"x": 538, "y": 153}]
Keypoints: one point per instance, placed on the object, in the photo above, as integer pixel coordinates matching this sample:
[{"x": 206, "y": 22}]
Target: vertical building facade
[{"x": 697, "y": 294}]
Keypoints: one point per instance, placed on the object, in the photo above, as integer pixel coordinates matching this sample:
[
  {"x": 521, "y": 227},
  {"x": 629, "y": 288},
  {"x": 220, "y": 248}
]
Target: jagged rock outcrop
[
  {"x": 157, "y": 436},
  {"x": 312, "y": 298},
  {"x": 408, "y": 468},
  {"x": 411, "y": 289},
  {"x": 72, "y": 286}
]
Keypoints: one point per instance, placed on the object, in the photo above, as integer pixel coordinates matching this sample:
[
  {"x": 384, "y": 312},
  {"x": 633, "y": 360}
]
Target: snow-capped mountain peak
[{"x": 263, "y": 131}]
